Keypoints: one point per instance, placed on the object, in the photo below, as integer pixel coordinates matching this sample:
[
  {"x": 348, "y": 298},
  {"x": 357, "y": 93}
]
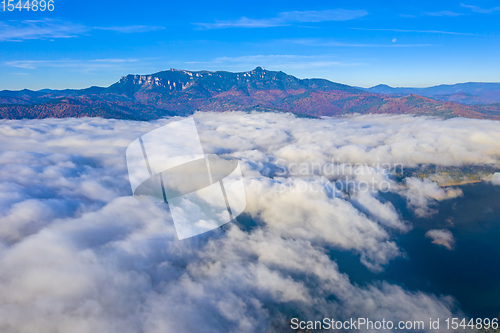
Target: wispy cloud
[
  {"x": 95, "y": 255},
  {"x": 441, "y": 237},
  {"x": 443, "y": 13},
  {"x": 39, "y": 29},
  {"x": 132, "y": 28},
  {"x": 323, "y": 42},
  {"x": 54, "y": 29},
  {"x": 477, "y": 9},
  {"x": 287, "y": 18},
  {"x": 419, "y": 31},
  {"x": 286, "y": 62}
]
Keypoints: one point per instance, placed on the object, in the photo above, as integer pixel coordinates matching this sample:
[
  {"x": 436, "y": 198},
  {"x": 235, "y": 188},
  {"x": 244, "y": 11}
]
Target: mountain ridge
[
  {"x": 183, "y": 92},
  {"x": 465, "y": 93}
]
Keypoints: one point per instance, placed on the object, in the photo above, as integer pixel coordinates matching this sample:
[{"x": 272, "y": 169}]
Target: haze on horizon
[{"x": 410, "y": 44}]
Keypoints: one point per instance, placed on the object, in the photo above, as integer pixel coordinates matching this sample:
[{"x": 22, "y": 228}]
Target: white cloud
[
  {"x": 278, "y": 62},
  {"x": 477, "y": 9},
  {"x": 39, "y": 29},
  {"x": 443, "y": 13},
  {"x": 131, "y": 28},
  {"x": 422, "y": 195},
  {"x": 288, "y": 18},
  {"x": 328, "y": 43},
  {"x": 74, "y": 64},
  {"x": 79, "y": 254},
  {"x": 441, "y": 237},
  {"x": 54, "y": 28},
  {"x": 418, "y": 31},
  {"x": 495, "y": 179}
]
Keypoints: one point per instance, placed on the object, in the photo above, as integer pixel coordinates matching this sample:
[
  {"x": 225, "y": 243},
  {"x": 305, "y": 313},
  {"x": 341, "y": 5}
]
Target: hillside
[{"x": 181, "y": 92}]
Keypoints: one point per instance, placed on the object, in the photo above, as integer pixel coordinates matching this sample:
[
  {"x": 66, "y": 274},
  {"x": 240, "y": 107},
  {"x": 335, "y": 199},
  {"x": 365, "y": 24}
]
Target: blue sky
[{"x": 362, "y": 43}]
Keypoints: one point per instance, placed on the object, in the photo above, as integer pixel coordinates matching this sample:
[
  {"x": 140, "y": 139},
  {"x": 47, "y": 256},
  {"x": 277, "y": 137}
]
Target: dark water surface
[{"x": 470, "y": 273}]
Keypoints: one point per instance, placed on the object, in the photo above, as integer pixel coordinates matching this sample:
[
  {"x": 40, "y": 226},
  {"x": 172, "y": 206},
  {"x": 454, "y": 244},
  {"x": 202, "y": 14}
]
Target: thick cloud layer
[
  {"x": 441, "y": 237},
  {"x": 79, "y": 254}
]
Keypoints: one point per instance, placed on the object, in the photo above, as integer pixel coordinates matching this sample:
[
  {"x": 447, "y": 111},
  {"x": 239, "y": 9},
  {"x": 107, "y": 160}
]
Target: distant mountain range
[
  {"x": 465, "y": 93},
  {"x": 182, "y": 92}
]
